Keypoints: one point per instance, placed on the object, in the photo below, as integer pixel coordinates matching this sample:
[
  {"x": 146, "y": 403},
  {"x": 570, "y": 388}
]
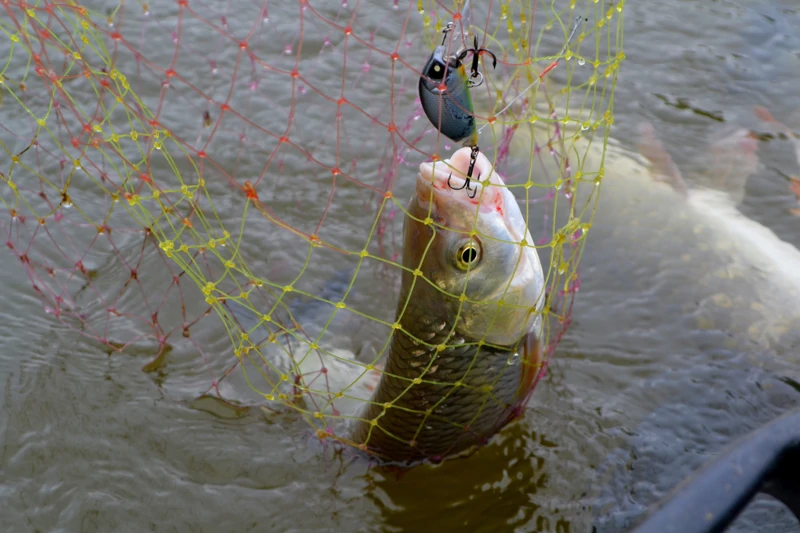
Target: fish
[
  {"x": 718, "y": 268},
  {"x": 704, "y": 318},
  {"x": 467, "y": 350},
  {"x": 458, "y": 371}
]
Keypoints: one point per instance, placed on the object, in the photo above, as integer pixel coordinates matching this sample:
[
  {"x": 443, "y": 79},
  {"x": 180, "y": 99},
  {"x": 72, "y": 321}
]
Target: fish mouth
[{"x": 444, "y": 182}]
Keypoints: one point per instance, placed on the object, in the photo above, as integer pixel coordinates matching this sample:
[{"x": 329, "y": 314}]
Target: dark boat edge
[{"x": 767, "y": 460}]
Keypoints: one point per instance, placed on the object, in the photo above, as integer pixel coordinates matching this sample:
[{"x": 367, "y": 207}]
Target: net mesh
[{"x": 232, "y": 178}]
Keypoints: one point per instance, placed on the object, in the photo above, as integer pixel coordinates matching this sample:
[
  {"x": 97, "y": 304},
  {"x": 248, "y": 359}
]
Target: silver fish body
[
  {"x": 711, "y": 267},
  {"x": 468, "y": 350}
]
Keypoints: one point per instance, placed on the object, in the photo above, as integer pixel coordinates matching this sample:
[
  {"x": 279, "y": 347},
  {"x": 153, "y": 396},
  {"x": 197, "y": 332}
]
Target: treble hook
[
  {"x": 476, "y": 54},
  {"x": 473, "y": 158},
  {"x": 473, "y": 83}
]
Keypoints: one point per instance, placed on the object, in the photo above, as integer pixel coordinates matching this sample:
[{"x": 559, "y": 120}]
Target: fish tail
[{"x": 662, "y": 166}]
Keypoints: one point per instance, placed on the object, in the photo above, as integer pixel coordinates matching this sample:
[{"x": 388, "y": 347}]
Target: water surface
[{"x": 637, "y": 397}]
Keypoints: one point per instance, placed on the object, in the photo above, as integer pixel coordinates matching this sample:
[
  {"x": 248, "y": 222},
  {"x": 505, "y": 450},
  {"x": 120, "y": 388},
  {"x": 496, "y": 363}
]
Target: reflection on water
[{"x": 636, "y": 399}]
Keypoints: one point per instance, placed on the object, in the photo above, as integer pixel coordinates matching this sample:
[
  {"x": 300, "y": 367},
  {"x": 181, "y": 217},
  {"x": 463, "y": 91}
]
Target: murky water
[{"x": 638, "y": 394}]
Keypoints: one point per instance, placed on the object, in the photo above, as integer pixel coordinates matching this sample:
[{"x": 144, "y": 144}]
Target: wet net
[{"x": 221, "y": 188}]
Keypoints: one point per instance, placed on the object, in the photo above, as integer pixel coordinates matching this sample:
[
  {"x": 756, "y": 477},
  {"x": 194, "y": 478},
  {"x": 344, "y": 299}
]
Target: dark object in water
[{"x": 767, "y": 460}]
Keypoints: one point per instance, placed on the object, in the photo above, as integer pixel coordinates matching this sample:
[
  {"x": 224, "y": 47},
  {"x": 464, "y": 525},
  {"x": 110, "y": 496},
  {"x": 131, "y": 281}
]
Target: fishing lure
[{"x": 444, "y": 90}]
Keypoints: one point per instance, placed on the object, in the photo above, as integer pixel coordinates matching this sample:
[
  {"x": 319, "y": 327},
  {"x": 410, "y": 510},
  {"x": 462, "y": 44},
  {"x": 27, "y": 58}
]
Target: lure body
[{"x": 450, "y": 110}]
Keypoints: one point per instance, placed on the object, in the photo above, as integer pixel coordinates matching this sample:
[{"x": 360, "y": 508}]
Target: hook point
[{"x": 465, "y": 184}]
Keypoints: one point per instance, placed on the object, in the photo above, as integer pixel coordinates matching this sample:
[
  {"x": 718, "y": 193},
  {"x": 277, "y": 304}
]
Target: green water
[{"x": 637, "y": 396}]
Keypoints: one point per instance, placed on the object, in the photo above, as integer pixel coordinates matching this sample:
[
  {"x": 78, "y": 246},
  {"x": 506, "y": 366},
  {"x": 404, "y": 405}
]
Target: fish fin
[
  {"x": 316, "y": 316},
  {"x": 532, "y": 353},
  {"x": 794, "y": 188},
  {"x": 248, "y": 321},
  {"x": 372, "y": 379},
  {"x": 733, "y": 158},
  {"x": 763, "y": 114},
  {"x": 662, "y": 167}
]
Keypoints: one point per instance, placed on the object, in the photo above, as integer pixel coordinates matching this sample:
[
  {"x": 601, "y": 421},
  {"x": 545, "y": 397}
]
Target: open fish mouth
[{"x": 446, "y": 181}]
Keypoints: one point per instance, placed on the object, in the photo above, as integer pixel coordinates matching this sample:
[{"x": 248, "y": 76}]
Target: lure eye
[
  {"x": 436, "y": 70},
  {"x": 468, "y": 255}
]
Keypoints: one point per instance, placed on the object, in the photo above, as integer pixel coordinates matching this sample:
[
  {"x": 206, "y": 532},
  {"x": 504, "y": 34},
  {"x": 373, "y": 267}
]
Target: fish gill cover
[{"x": 220, "y": 188}]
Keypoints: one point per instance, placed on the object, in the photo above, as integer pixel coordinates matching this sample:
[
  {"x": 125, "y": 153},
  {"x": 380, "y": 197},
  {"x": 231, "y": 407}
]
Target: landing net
[{"x": 165, "y": 162}]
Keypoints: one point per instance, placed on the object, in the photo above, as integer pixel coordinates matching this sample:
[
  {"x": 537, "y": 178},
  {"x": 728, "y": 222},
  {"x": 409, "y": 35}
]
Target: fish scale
[{"x": 442, "y": 432}]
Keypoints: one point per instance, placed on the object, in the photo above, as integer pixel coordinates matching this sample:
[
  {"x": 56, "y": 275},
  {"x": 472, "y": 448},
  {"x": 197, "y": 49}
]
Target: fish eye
[{"x": 468, "y": 255}]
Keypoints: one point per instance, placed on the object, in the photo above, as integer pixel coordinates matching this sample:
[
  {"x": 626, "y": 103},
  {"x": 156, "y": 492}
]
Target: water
[{"x": 637, "y": 397}]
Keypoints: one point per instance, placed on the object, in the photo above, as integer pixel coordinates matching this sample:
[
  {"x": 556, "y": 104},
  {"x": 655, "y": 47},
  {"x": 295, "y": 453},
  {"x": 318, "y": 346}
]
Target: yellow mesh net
[{"x": 170, "y": 167}]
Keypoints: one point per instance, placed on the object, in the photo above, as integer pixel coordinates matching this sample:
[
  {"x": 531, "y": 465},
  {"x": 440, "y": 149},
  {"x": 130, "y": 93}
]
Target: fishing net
[{"x": 221, "y": 187}]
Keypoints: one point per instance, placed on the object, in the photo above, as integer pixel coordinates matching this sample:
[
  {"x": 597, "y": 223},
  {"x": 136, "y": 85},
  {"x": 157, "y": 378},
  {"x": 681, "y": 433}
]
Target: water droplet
[
  {"x": 67, "y": 204},
  {"x": 581, "y": 61}
]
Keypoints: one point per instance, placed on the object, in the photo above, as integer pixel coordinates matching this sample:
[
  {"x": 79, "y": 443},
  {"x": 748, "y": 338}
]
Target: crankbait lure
[{"x": 444, "y": 90}]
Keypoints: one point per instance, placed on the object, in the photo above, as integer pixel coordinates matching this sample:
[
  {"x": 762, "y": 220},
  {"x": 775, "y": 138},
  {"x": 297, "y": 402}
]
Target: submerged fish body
[
  {"x": 690, "y": 245},
  {"x": 289, "y": 369}
]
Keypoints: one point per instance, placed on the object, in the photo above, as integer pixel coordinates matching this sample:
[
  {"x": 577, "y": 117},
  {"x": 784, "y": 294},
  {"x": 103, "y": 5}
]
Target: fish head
[{"x": 481, "y": 270}]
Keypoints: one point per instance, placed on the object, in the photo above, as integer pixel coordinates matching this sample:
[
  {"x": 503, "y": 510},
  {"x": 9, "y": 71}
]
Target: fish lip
[
  {"x": 450, "y": 203},
  {"x": 433, "y": 178}
]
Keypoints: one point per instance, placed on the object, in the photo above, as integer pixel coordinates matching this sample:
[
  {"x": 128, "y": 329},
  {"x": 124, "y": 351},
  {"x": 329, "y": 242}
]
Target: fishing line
[{"x": 544, "y": 72}]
